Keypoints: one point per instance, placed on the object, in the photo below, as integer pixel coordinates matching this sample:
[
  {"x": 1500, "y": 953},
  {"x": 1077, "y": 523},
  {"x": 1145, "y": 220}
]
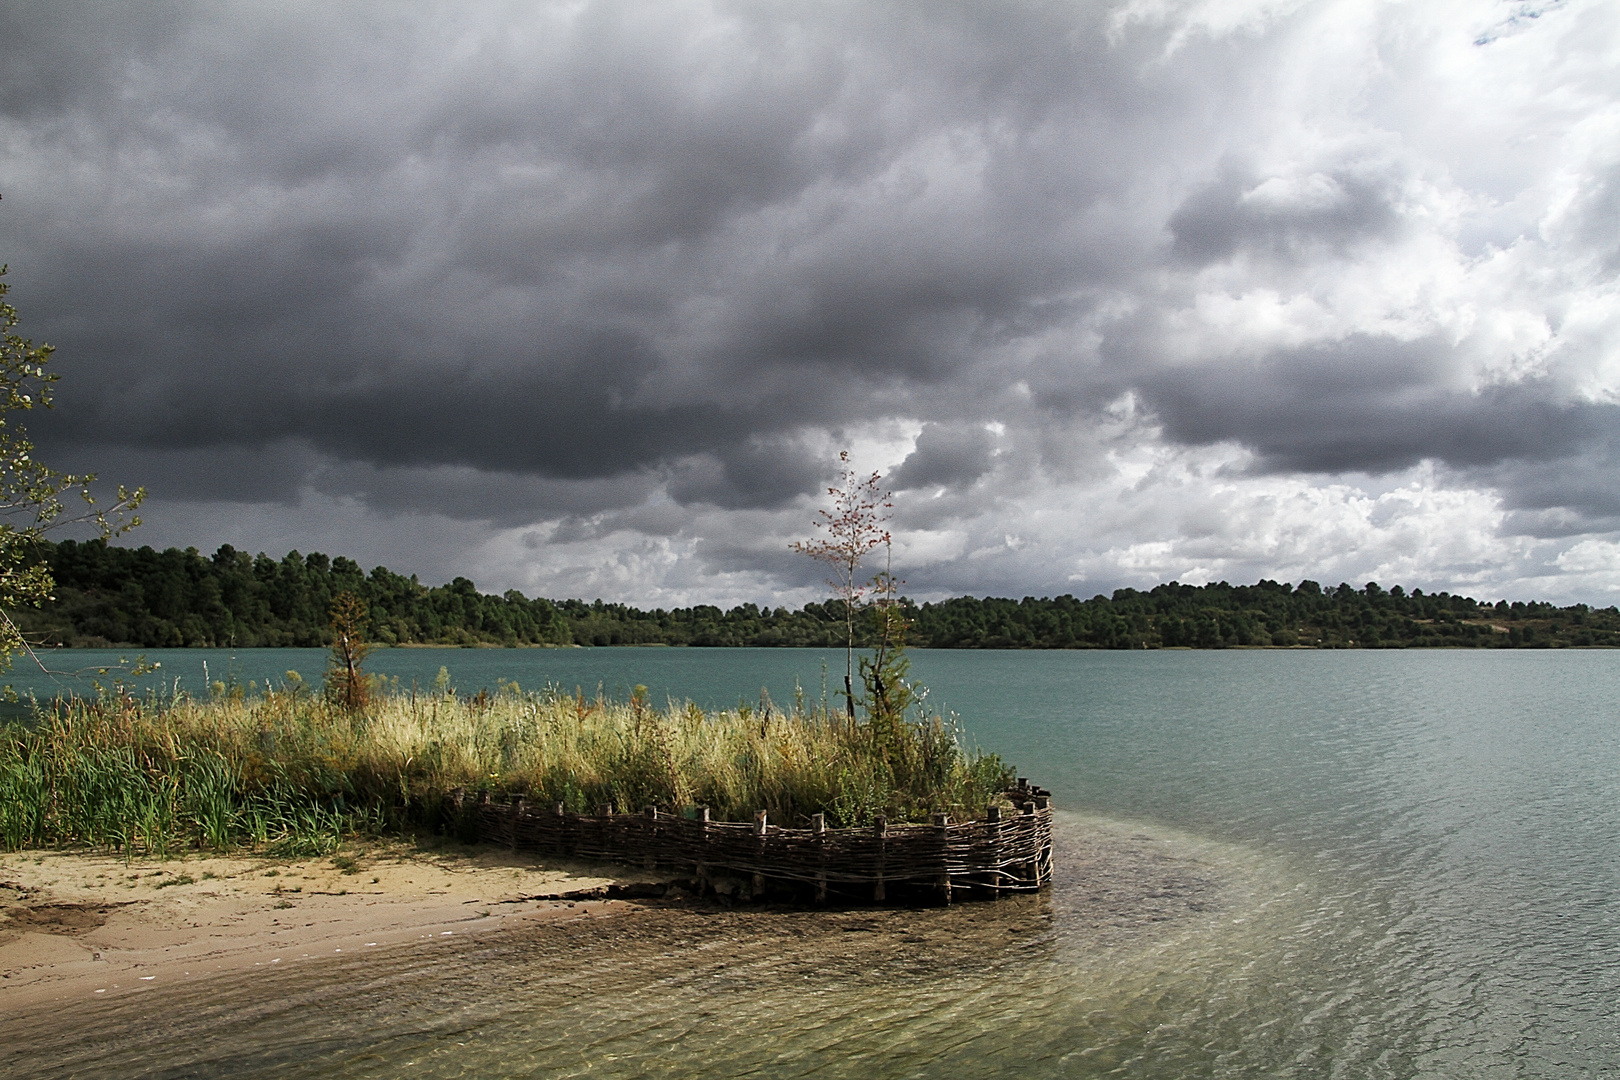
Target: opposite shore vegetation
[{"x": 110, "y": 596}]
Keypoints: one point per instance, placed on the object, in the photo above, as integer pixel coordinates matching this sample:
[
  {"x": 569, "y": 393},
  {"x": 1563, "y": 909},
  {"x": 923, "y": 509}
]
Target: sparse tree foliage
[
  {"x": 33, "y": 496},
  {"x": 346, "y": 683},
  {"x": 851, "y": 530}
]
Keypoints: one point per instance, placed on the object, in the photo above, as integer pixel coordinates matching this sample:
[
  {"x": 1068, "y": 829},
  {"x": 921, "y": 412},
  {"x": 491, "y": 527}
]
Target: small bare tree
[
  {"x": 851, "y": 529},
  {"x": 346, "y": 683}
]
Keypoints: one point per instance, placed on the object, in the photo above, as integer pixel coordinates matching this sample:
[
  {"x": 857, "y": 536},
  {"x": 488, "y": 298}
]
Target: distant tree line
[{"x": 141, "y": 598}]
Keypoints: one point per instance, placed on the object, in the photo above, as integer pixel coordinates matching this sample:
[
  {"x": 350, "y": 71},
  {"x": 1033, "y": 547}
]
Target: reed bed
[{"x": 290, "y": 772}]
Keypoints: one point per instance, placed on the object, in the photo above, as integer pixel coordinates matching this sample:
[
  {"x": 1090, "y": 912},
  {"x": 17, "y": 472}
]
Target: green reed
[{"x": 289, "y": 772}]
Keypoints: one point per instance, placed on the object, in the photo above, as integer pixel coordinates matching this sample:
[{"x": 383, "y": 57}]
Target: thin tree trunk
[{"x": 849, "y": 645}]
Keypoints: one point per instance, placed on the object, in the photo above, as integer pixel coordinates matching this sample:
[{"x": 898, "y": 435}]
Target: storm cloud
[{"x": 585, "y": 299}]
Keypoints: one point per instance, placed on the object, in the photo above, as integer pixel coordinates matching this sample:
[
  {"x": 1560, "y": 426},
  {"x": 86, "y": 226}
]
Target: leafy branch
[{"x": 34, "y": 498}]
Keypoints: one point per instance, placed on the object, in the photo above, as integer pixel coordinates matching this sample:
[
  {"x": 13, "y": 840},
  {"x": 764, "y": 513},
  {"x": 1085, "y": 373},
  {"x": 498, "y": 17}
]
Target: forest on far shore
[{"x": 141, "y": 598}]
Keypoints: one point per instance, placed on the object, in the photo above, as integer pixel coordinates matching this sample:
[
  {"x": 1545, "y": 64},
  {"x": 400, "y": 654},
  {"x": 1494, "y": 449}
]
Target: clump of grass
[{"x": 293, "y": 774}]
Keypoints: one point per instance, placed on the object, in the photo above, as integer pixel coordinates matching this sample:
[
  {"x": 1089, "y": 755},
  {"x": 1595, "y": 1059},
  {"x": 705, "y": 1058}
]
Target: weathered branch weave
[{"x": 1001, "y": 852}]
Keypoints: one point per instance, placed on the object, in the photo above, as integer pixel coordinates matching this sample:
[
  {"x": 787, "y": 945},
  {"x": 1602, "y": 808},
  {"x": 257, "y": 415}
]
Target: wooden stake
[
  {"x": 702, "y": 818},
  {"x": 818, "y": 829},
  {"x": 881, "y": 829},
  {"x": 761, "y": 825},
  {"x": 651, "y": 858},
  {"x": 1032, "y": 868},
  {"x": 992, "y": 833}
]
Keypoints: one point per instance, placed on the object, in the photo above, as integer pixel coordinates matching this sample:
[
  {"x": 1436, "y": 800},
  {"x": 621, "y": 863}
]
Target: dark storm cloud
[
  {"x": 407, "y": 240},
  {"x": 1373, "y": 405},
  {"x": 623, "y": 265},
  {"x": 1563, "y": 496},
  {"x": 759, "y": 472}
]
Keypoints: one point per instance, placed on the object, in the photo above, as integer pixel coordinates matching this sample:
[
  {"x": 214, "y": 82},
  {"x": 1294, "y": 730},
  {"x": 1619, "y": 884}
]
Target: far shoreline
[{"x": 528, "y": 646}]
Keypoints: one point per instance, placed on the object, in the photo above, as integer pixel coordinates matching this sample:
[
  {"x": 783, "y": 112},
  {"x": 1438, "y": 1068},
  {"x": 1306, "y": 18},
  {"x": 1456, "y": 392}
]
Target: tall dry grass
[{"x": 294, "y": 772}]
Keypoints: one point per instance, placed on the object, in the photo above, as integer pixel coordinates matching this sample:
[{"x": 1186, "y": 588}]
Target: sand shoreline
[
  {"x": 81, "y": 929},
  {"x": 76, "y": 926}
]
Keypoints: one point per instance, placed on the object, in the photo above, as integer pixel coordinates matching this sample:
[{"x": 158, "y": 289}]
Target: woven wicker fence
[{"x": 1001, "y": 852}]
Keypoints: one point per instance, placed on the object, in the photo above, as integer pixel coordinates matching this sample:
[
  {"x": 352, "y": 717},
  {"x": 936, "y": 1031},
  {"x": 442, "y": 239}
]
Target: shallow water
[{"x": 1278, "y": 863}]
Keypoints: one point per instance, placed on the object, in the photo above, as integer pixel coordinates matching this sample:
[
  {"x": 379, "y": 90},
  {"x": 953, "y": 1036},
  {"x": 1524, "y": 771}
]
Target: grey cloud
[
  {"x": 765, "y": 472},
  {"x": 1373, "y": 405},
  {"x": 1553, "y": 496},
  {"x": 1370, "y": 404},
  {"x": 1560, "y": 523},
  {"x": 1279, "y": 216},
  {"x": 276, "y": 473},
  {"x": 286, "y": 473},
  {"x": 1600, "y": 220},
  {"x": 949, "y": 456}
]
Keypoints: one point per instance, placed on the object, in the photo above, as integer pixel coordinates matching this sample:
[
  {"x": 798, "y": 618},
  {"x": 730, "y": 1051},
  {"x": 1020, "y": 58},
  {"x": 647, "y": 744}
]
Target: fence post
[
  {"x": 560, "y": 826},
  {"x": 518, "y": 803},
  {"x": 761, "y": 826},
  {"x": 1032, "y": 866},
  {"x": 604, "y": 830},
  {"x": 992, "y": 834},
  {"x": 942, "y": 822},
  {"x": 818, "y": 829},
  {"x": 458, "y": 812},
  {"x": 702, "y": 849},
  {"x": 881, "y": 828},
  {"x": 651, "y": 857},
  {"x": 481, "y": 826},
  {"x": 1043, "y": 844}
]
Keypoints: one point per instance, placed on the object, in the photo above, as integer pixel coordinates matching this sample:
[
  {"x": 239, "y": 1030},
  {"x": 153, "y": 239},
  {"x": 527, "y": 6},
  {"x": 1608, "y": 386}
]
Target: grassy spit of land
[{"x": 290, "y": 773}]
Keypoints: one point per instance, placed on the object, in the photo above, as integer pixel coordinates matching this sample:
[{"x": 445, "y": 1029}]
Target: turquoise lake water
[{"x": 1278, "y": 863}]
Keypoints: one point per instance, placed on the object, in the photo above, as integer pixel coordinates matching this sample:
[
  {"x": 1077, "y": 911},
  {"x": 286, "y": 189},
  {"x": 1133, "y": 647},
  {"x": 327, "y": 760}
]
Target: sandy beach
[{"x": 77, "y": 926}]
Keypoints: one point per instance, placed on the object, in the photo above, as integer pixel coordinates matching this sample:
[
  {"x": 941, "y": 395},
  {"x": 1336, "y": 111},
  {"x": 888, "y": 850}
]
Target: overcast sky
[{"x": 584, "y": 298}]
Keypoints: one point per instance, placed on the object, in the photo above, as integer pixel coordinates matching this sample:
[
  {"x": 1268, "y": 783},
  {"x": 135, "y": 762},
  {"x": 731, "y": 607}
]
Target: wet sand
[
  {"x": 76, "y": 926},
  {"x": 462, "y": 962}
]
